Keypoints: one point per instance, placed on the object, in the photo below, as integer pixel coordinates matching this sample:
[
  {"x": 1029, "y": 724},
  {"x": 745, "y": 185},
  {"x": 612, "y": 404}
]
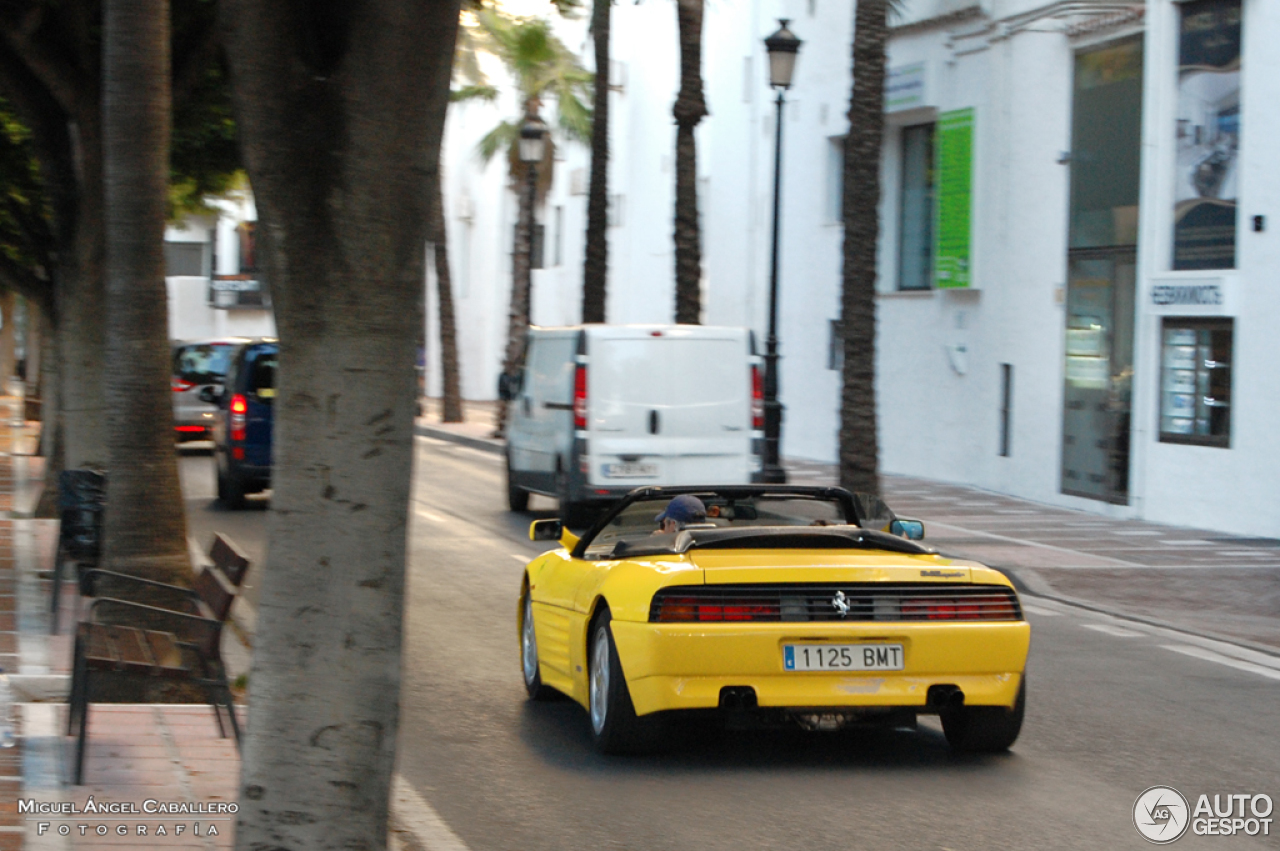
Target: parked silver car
[{"x": 198, "y": 364}]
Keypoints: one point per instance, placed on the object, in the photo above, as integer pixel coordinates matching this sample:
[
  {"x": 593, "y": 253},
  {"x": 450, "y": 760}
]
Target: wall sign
[
  {"x": 954, "y": 181},
  {"x": 1191, "y": 297},
  {"x": 1208, "y": 135},
  {"x": 904, "y": 88}
]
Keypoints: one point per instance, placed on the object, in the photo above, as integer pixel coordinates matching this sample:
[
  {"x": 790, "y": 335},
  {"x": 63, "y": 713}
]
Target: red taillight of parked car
[
  {"x": 967, "y": 608},
  {"x": 675, "y": 609},
  {"x": 239, "y": 409},
  {"x": 178, "y": 385},
  {"x": 757, "y": 398},
  {"x": 580, "y": 397}
]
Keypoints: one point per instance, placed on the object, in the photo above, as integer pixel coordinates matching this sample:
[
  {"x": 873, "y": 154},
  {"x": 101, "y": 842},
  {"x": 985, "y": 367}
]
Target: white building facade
[
  {"x": 212, "y": 276},
  {"x": 1077, "y": 251}
]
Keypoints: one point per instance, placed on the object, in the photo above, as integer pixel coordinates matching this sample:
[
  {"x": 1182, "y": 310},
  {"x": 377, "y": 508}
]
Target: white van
[{"x": 602, "y": 409}]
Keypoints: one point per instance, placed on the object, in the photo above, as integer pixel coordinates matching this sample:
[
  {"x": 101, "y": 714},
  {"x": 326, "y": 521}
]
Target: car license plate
[
  {"x": 631, "y": 471},
  {"x": 842, "y": 657}
]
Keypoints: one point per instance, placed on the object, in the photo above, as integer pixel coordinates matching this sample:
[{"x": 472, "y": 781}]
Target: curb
[
  {"x": 1031, "y": 584},
  {"x": 485, "y": 444}
]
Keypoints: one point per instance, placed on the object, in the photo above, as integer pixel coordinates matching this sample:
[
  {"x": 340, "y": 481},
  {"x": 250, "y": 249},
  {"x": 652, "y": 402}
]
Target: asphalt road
[{"x": 1113, "y": 709}]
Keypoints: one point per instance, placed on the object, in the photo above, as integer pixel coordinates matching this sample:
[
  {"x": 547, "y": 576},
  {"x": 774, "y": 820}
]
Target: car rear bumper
[{"x": 685, "y": 666}]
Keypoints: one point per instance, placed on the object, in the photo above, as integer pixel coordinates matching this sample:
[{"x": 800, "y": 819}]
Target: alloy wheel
[
  {"x": 529, "y": 643},
  {"x": 600, "y": 679}
]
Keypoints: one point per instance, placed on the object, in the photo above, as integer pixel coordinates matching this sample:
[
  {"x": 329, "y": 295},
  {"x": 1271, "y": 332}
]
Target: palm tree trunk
[
  {"x": 341, "y": 110},
  {"x": 452, "y": 396},
  {"x": 521, "y": 284},
  {"x": 690, "y": 108},
  {"x": 79, "y": 296},
  {"x": 859, "y": 450},
  {"x": 8, "y": 339},
  {"x": 145, "y": 527},
  {"x": 595, "y": 268}
]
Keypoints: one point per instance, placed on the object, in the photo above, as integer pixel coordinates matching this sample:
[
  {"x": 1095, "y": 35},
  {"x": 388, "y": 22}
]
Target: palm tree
[
  {"x": 540, "y": 66},
  {"x": 690, "y": 108},
  {"x": 595, "y": 268},
  {"x": 858, "y": 448},
  {"x": 145, "y": 527},
  {"x": 341, "y": 108}
]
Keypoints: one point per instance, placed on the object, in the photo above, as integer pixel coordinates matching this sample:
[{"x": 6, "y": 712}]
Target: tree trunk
[
  {"x": 451, "y": 394},
  {"x": 145, "y": 526},
  {"x": 690, "y": 108},
  {"x": 595, "y": 268},
  {"x": 521, "y": 285},
  {"x": 858, "y": 443},
  {"x": 79, "y": 296},
  {"x": 8, "y": 339},
  {"x": 340, "y": 108}
]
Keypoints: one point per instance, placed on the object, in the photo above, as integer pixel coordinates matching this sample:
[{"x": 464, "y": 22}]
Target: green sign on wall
[{"x": 954, "y": 179}]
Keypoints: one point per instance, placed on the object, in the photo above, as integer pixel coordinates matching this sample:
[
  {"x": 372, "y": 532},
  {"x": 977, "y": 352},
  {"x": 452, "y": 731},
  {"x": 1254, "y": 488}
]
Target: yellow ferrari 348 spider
[{"x": 791, "y": 604}]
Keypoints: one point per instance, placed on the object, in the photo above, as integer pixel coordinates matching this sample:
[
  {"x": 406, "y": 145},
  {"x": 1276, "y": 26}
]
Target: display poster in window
[
  {"x": 1208, "y": 135},
  {"x": 955, "y": 176}
]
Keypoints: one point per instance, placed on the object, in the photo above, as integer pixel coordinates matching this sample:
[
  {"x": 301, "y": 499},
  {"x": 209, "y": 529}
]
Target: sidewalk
[
  {"x": 1208, "y": 583},
  {"x": 167, "y": 752}
]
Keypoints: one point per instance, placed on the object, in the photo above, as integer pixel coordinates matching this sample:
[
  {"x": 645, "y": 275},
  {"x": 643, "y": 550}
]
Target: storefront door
[{"x": 1099, "y": 374}]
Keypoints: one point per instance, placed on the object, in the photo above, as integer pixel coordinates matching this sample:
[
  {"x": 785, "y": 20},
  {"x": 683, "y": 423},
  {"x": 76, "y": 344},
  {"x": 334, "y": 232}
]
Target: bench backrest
[
  {"x": 215, "y": 592},
  {"x": 229, "y": 558}
]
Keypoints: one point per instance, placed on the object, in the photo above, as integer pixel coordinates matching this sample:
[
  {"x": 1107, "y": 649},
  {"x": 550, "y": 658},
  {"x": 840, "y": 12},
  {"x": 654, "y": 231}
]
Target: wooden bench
[{"x": 182, "y": 643}]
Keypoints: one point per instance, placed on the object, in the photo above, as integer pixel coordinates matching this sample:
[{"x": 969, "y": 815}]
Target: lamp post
[
  {"x": 782, "y": 47},
  {"x": 532, "y": 146}
]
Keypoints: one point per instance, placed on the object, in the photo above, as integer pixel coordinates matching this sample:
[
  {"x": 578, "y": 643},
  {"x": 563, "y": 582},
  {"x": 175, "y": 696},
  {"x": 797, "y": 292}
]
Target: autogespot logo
[{"x": 1160, "y": 814}]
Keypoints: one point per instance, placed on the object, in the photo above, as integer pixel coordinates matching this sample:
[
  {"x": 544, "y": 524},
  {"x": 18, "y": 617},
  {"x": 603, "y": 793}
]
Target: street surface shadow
[{"x": 558, "y": 733}]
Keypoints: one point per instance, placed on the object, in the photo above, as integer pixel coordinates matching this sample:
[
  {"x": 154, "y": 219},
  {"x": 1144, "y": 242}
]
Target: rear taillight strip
[{"x": 826, "y": 603}]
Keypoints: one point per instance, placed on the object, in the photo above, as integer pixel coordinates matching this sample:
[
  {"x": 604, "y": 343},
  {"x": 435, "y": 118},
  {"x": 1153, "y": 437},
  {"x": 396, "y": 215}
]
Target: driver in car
[{"x": 682, "y": 510}]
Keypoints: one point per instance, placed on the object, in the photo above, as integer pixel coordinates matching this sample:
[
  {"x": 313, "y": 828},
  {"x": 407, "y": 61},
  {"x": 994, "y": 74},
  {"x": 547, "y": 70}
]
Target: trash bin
[{"x": 82, "y": 496}]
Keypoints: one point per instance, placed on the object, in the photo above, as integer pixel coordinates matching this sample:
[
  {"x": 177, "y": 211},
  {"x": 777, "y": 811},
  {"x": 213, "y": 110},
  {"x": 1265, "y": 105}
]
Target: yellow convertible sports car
[{"x": 787, "y": 604}]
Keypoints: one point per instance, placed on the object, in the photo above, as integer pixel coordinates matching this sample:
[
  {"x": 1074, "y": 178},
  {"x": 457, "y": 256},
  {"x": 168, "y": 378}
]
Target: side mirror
[
  {"x": 210, "y": 394},
  {"x": 545, "y": 530},
  {"x": 509, "y": 386},
  {"x": 907, "y": 527}
]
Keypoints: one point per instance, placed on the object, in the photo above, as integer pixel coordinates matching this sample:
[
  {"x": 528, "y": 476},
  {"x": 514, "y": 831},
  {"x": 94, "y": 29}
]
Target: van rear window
[{"x": 202, "y": 363}]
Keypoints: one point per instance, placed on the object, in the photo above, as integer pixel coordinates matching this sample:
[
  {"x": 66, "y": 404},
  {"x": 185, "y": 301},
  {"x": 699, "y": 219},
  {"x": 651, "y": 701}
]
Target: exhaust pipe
[
  {"x": 945, "y": 697},
  {"x": 738, "y": 697}
]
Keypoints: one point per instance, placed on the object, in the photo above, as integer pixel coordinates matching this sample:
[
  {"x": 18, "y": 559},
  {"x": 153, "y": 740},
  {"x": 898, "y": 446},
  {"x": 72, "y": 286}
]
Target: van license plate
[
  {"x": 630, "y": 471},
  {"x": 842, "y": 657}
]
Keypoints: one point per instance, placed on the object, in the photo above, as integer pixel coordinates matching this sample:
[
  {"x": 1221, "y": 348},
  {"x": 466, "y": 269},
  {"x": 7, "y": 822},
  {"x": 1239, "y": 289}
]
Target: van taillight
[
  {"x": 757, "y": 398},
  {"x": 239, "y": 407},
  {"x": 580, "y": 397},
  {"x": 180, "y": 385}
]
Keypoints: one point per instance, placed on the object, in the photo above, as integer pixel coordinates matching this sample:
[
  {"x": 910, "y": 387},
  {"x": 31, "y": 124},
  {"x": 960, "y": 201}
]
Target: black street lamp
[
  {"x": 782, "y": 47},
  {"x": 533, "y": 144}
]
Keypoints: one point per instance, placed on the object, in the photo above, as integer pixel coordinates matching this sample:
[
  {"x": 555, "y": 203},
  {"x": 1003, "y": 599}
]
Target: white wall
[{"x": 939, "y": 415}]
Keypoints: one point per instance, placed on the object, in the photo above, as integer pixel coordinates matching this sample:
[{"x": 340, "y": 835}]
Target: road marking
[
  {"x": 1036, "y": 610},
  {"x": 1210, "y": 656},
  {"x": 520, "y": 558},
  {"x": 435, "y": 441},
  {"x": 1128, "y": 532},
  {"x": 1117, "y": 631},
  {"x": 981, "y": 534},
  {"x": 422, "y": 512},
  {"x": 411, "y": 812}
]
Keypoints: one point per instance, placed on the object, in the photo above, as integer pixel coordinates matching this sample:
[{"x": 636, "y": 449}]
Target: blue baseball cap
[{"x": 683, "y": 509}]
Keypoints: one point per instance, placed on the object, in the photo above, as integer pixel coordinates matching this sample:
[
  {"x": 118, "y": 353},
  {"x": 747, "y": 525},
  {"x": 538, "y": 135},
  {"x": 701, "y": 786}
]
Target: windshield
[
  {"x": 638, "y": 522},
  {"x": 203, "y": 363}
]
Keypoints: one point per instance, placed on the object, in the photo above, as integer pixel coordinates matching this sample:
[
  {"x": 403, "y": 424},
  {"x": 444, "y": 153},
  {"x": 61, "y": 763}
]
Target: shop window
[
  {"x": 915, "y": 203},
  {"x": 1195, "y": 381}
]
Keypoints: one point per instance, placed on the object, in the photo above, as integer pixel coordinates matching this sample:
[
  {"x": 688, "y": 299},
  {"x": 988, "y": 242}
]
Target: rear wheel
[
  {"x": 230, "y": 490},
  {"x": 573, "y": 515},
  {"x": 985, "y": 729},
  {"x": 517, "y": 497},
  {"x": 529, "y": 656},
  {"x": 615, "y": 727}
]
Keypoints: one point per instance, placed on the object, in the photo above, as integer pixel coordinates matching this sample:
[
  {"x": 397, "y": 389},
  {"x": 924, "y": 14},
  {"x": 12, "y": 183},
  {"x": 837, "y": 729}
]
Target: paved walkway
[
  {"x": 1224, "y": 586},
  {"x": 169, "y": 753}
]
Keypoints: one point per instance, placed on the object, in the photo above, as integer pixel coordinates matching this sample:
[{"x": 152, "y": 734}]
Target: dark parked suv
[{"x": 242, "y": 428}]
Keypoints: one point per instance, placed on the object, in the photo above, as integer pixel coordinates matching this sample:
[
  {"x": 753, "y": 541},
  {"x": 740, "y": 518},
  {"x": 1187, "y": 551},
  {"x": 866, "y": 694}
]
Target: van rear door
[{"x": 669, "y": 406}]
